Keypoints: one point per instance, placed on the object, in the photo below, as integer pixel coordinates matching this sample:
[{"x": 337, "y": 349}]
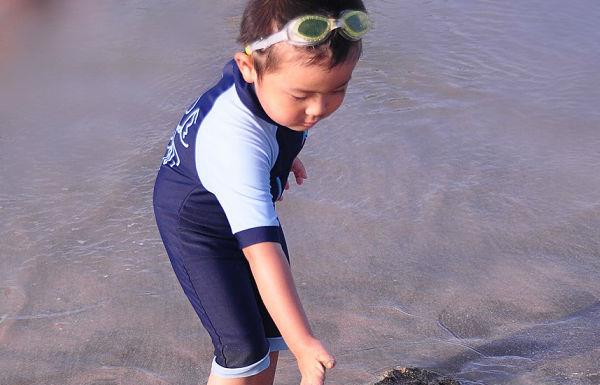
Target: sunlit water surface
[{"x": 451, "y": 219}]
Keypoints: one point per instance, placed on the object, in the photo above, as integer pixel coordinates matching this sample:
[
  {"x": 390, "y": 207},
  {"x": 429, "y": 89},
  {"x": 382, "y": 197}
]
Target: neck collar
[{"x": 247, "y": 93}]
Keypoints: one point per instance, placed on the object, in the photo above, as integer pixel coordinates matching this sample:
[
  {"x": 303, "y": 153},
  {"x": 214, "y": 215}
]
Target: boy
[{"x": 228, "y": 162}]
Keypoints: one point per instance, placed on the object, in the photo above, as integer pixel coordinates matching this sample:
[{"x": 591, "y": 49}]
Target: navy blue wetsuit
[{"x": 225, "y": 166}]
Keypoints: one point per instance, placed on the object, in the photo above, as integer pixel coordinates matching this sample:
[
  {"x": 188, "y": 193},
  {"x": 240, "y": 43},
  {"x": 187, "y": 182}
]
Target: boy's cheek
[{"x": 336, "y": 104}]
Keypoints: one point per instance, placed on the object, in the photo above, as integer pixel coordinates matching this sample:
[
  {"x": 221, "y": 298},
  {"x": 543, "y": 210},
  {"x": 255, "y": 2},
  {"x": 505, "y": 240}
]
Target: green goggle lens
[
  {"x": 356, "y": 24},
  {"x": 313, "y": 28}
]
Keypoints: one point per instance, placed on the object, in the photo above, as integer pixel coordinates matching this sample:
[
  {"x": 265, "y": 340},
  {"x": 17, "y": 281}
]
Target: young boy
[{"x": 228, "y": 162}]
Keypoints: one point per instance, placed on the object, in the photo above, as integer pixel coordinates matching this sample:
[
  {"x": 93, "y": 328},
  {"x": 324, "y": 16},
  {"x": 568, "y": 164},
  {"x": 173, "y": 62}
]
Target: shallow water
[{"x": 450, "y": 220}]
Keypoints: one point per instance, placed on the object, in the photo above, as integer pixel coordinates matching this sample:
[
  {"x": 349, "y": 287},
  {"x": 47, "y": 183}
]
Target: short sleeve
[{"x": 233, "y": 161}]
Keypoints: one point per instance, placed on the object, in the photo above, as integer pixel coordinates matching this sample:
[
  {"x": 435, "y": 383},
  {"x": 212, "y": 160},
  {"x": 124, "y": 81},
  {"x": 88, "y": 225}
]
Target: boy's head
[{"x": 298, "y": 85}]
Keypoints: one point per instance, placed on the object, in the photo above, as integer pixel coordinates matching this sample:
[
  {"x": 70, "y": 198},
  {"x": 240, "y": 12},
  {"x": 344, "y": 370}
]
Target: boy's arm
[
  {"x": 275, "y": 284},
  {"x": 273, "y": 277}
]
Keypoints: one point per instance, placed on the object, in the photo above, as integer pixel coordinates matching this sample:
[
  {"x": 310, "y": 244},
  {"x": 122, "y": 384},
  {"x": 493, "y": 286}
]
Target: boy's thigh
[
  {"x": 223, "y": 293},
  {"x": 217, "y": 280}
]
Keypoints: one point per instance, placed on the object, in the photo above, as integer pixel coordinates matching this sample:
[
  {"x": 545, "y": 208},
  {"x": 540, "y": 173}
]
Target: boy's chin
[{"x": 301, "y": 127}]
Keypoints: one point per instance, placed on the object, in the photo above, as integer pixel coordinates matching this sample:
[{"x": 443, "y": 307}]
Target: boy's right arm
[{"x": 275, "y": 284}]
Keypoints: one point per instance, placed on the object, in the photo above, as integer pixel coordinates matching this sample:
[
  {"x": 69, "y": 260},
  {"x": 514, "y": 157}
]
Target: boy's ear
[{"x": 246, "y": 66}]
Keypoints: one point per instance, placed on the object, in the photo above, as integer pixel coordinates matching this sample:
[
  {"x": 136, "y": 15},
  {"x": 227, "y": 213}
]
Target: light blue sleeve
[{"x": 234, "y": 156}]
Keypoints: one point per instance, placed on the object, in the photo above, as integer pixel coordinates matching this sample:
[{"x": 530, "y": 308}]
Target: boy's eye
[{"x": 299, "y": 97}]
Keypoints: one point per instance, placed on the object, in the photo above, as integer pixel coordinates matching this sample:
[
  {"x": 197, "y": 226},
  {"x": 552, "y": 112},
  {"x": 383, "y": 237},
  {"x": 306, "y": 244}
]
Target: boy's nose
[{"x": 317, "y": 108}]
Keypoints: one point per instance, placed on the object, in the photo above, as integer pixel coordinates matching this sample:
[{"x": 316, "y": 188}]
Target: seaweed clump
[{"x": 415, "y": 376}]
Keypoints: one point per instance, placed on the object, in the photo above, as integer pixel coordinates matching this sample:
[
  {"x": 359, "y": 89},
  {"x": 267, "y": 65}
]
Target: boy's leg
[
  {"x": 218, "y": 282},
  {"x": 265, "y": 377}
]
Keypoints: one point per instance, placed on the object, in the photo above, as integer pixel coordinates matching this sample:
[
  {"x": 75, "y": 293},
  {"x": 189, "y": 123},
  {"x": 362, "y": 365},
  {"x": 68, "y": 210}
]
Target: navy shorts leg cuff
[
  {"x": 276, "y": 344},
  {"x": 246, "y": 371}
]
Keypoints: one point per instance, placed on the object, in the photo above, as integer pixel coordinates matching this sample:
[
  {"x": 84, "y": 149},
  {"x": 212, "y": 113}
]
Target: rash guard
[{"x": 227, "y": 157}]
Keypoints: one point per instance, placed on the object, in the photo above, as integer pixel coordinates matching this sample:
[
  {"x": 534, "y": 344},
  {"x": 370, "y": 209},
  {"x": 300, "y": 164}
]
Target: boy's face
[{"x": 297, "y": 95}]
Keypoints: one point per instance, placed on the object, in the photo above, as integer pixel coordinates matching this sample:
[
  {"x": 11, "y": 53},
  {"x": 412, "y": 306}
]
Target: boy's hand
[
  {"x": 313, "y": 361},
  {"x": 299, "y": 173}
]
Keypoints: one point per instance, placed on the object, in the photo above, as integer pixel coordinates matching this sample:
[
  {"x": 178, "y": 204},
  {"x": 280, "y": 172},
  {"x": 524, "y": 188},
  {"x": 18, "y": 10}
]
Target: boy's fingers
[
  {"x": 302, "y": 173},
  {"x": 300, "y": 176},
  {"x": 327, "y": 361},
  {"x": 302, "y": 170},
  {"x": 298, "y": 168},
  {"x": 299, "y": 171}
]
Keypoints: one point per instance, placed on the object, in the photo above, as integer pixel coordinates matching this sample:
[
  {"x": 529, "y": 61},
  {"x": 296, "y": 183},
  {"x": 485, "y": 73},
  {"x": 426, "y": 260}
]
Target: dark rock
[{"x": 415, "y": 376}]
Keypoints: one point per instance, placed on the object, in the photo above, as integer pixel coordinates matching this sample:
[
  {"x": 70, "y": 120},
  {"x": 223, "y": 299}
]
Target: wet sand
[{"x": 450, "y": 221}]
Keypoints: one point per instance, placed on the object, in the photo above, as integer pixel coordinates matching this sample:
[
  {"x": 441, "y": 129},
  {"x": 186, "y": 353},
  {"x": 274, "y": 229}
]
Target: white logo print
[{"x": 172, "y": 157}]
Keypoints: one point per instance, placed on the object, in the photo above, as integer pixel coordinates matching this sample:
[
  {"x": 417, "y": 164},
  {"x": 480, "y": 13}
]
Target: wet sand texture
[
  {"x": 117, "y": 376},
  {"x": 451, "y": 218},
  {"x": 12, "y": 300},
  {"x": 415, "y": 376}
]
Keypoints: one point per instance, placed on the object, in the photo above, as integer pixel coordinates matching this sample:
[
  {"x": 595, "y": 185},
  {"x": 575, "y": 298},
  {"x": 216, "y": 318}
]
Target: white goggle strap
[{"x": 269, "y": 41}]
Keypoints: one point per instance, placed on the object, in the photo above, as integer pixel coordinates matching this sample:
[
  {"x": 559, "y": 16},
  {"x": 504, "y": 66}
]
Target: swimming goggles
[{"x": 313, "y": 29}]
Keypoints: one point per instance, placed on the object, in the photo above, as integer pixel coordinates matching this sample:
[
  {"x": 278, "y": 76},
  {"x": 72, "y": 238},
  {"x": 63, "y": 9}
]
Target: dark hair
[{"x": 264, "y": 17}]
